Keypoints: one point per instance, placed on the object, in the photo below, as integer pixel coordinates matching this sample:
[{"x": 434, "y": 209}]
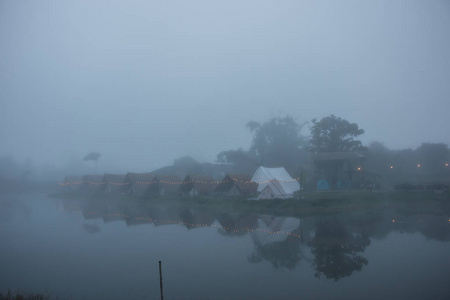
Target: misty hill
[{"x": 187, "y": 165}]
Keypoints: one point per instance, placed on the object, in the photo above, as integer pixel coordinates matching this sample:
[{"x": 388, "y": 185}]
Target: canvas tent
[
  {"x": 195, "y": 185},
  {"x": 236, "y": 185},
  {"x": 166, "y": 185},
  {"x": 91, "y": 183},
  {"x": 112, "y": 183},
  {"x": 138, "y": 183},
  {"x": 71, "y": 184},
  {"x": 275, "y": 183}
]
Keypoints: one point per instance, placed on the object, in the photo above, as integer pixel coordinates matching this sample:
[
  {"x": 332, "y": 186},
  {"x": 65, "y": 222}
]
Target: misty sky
[{"x": 144, "y": 82}]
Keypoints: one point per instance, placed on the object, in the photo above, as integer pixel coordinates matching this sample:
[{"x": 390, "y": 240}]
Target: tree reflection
[
  {"x": 275, "y": 244},
  {"x": 285, "y": 254},
  {"x": 336, "y": 250}
]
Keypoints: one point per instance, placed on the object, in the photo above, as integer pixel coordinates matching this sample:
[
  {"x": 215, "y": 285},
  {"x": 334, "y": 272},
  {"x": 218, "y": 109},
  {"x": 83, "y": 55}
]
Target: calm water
[{"x": 110, "y": 250}]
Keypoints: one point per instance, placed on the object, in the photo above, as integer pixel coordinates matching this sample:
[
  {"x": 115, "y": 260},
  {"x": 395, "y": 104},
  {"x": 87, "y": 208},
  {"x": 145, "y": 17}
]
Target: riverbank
[{"x": 310, "y": 203}]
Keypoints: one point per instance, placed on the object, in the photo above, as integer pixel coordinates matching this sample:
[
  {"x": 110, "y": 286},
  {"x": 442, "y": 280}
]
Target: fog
[{"x": 145, "y": 82}]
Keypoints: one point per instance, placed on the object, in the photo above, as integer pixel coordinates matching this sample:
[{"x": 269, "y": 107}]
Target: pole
[{"x": 160, "y": 281}]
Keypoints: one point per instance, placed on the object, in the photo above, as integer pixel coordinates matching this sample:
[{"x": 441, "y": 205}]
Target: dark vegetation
[
  {"x": 281, "y": 142},
  {"x": 23, "y": 296},
  {"x": 310, "y": 203}
]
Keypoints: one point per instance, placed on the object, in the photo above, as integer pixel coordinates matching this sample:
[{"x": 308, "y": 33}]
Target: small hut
[
  {"x": 71, "y": 184},
  {"x": 113, "y": 183},
  {"x": 192, "y": 218},
  {"x": 236, "y": 186},
  {"x": 92, "y": 183},
  {"x": 194, "y": 185},
  {"x": 338, "y": 170},
  {"x": 166, "y": 185},
  {"x": 139, "y": 184}
]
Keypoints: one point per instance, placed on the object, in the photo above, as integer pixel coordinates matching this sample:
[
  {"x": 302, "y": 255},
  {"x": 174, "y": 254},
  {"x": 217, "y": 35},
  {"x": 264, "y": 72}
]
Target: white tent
[
  {"x": 275, "y": 183},
  {"x": 274, "y": 229}
]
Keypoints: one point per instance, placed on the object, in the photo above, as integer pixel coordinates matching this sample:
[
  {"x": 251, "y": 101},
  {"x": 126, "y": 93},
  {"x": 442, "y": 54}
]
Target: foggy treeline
[{"x": 285, "y": 142}]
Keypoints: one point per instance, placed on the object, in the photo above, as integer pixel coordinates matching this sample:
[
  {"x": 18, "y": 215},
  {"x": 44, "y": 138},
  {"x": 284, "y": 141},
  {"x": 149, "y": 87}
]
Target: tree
[
  {"x": 187, "y": 165},
  {"x": 241, "y": 161},
  {"x": 234, "y": 156},
  {"x": 379, "y": 159},
  {"x": 94, "y": 156},
  {"x": 337, "y": 250},
  {"x": 333, "y": 134},
  {"x": 185, "y": 162},
  {"x": 433, "y": 158},
  {"x": 277, "y": 142}
]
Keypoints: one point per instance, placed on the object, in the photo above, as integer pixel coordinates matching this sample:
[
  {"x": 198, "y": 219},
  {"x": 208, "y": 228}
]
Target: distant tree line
[
  {"x": 428, "y": 163},
  {"x": 281, "y": 142}
]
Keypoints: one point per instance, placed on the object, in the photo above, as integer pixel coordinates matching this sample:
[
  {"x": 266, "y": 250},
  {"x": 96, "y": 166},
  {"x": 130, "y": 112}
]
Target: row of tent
[{"x": 266, "y": 183}]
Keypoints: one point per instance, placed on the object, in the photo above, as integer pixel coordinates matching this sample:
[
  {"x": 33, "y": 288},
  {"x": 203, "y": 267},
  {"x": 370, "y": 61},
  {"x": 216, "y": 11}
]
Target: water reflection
[
  {"x": 281, "y": 250},
  {"x": 338, "y": 248},
  {"x": 212, "y": 253},
  {"x": 91, "y": 228},
  {"x": 333, "y": 245}
]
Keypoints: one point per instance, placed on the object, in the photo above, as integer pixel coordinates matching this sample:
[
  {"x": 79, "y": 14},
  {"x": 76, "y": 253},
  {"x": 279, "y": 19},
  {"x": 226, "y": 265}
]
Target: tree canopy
[
  {"x": 333, "y": 134},
  {"x": 92, "y": 156},
  {"x": 276, "y": 142}
]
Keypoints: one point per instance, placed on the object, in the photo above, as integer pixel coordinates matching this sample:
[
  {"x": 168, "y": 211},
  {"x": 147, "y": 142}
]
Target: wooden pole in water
[{"x": 160, "y": 281}]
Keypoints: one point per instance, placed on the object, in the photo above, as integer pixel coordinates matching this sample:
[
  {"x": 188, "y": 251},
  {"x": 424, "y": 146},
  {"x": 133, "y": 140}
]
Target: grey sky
[{"x": 144, "y": 82}]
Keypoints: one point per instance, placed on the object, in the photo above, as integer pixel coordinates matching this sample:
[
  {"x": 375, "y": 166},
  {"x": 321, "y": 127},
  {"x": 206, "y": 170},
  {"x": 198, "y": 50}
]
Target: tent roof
[
  {"x": 243, "y": 182},
  {"x": 93, "y": 178},
  {"x": 264, "y": 175},
  {"x": 113, "y": 178},
  {"x": 139, "y": 177},
  {"x": 203, "y": 184},
  {"x": 171, "y": 183}
]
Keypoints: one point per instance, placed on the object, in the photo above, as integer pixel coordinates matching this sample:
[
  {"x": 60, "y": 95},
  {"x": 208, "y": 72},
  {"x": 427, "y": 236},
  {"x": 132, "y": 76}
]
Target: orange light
[
  {"x": 392, "y": 167},
  {"x": 359, "y": 169},
  {"x": 446, "y": 164}
]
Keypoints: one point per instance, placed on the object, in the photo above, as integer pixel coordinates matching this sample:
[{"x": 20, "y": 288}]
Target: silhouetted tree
[
  {"x": 243, "y": 161},
  {"x": 433, "y": 158},
  {"x": 187, "y": 165},
  {"x": 333, "y": 134},
  {"x": 93, "y": 156},
  {"x": 336, "y": 250},
  {"x": 185, "y": 161},
  {"x": 278, "y": 142},
  {"x": 379, "y": 160},
  {"x": 234, "y": 156}
]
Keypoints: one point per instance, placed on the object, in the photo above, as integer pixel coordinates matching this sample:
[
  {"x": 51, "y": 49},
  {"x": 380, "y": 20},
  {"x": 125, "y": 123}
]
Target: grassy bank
[{"x": 310, "y": 203}]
